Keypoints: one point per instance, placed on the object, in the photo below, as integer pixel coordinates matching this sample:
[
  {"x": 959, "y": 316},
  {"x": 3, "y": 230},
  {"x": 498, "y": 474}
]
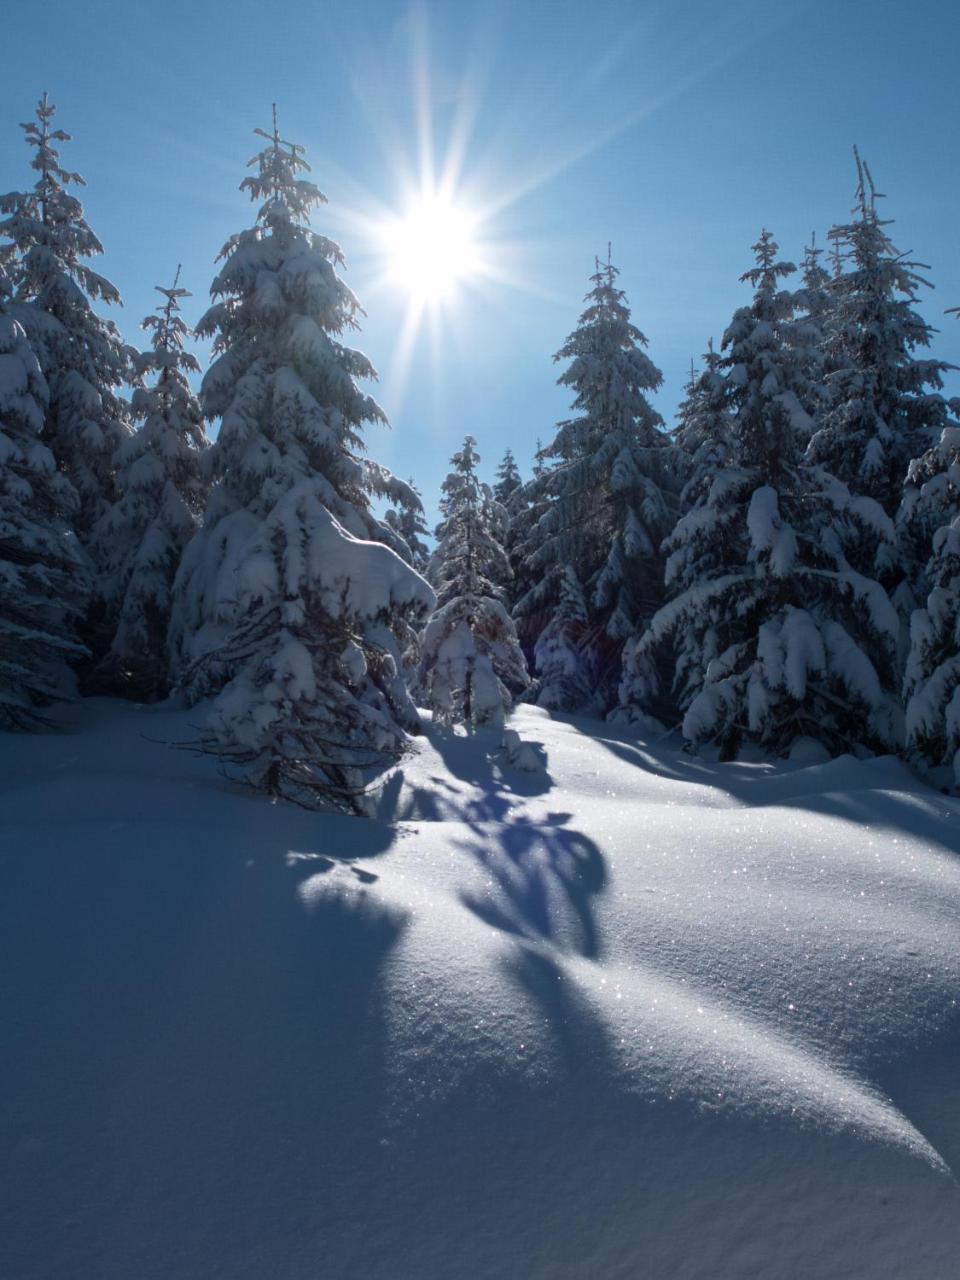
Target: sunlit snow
[{"x": 619, "y": 1013}]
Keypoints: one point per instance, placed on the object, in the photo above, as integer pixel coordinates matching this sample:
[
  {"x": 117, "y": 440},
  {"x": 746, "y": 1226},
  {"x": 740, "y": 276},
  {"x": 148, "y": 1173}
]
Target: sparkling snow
[{"x": 627, "y": 1014}]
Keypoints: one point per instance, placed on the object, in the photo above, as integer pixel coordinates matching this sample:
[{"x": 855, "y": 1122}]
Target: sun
[{"x": 431, "y": 249}]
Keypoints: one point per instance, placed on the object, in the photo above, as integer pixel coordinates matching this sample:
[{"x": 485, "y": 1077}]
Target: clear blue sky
[{"x": 674, "y": 129}]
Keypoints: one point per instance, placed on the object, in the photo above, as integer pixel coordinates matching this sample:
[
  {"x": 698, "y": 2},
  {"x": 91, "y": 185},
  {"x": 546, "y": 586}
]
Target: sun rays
[{"x": 442, "y": 234}]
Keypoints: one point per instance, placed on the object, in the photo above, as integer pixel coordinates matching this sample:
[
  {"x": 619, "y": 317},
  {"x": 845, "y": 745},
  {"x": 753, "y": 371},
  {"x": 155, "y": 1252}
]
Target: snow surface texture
[{"x": 631, "y": 1015}]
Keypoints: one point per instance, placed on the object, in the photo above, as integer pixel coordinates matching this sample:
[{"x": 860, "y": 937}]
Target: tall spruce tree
[
  {"x": 608, "y": 492},
  {"x": 82, "y": 356},
  {"x": 777, "y": 637},
  {"x": 287, "y": 600},
  {"x": 883, "y": 410},
  {"x": 702, "y": 438},
  {"x": 471, "y": 663},
  {"x": 44, "y": 575},
  {"x": 140, "y": 540}
]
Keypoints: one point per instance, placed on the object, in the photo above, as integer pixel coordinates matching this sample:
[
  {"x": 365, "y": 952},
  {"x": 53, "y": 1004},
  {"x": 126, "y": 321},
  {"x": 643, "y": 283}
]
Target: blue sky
[{"x": 674, "y": 130}]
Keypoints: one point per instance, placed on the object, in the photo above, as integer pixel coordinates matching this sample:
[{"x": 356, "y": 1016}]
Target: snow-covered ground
[{"x": 633, "y": 1016}]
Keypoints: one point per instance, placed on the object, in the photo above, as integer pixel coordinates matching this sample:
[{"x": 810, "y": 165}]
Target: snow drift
[{"x": 633, "y": 1015}]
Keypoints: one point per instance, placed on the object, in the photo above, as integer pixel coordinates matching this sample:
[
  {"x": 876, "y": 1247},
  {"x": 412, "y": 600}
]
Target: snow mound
[
  {"x": 525, "y": 756},
  {"x": 630, "y": 1014}
]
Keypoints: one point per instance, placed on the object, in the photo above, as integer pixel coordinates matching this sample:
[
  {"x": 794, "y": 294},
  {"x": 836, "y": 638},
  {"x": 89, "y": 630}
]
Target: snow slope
[{"x": 634, "y": 1016}]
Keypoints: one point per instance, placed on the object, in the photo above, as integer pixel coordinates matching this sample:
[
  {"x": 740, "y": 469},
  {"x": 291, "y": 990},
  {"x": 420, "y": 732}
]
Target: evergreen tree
[
  {"x": 777, "y": 637},
  {"x": 882, "y": 411},
  {"x": 407, "y": 521},
  {"x": 609, "y": 490},
  {"x": 287, "y": 601},
  {"x": 140, "y": 540},
  {"x": 702, "y": 433},
  {"x": 83, "y": 359},
  {"x": 527, "y": 508},
  {"x": 44, "y": 576},
  {"x": 471, "y": 661},
  {"x": 686, "y": 408},
  {"x": 702, "y": 440},
  {"x": 811, "y": 334},
  {"x": 508, "y": 480},
  {"x": 510, "y": 493},
  {"x": 566, "y": 677},
  {"x": 932, "y": 681}
]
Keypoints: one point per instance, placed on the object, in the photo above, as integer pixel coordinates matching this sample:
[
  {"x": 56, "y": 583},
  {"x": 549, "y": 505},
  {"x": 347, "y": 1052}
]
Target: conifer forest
[
  {"x": 777, "y": 567},
  {"x": 480, "y": 657}
]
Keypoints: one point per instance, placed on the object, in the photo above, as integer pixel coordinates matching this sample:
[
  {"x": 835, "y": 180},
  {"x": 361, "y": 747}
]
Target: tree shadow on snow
[
  {"x": 477, "y": 760},
  {"x": 479, "y": 783},
  {"x": 541, "y": 880},
  {"x": 201, "y": 1033},
  {"x": 541, "y": 876}
]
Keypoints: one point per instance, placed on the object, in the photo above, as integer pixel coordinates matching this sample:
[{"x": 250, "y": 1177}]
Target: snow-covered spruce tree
[
  {"x": 508, "y": 479},
  {"x": 138, "y": 543},
  {"x": 932, "y": 681},
  {"x": 884, "y": 410},
  {"x": 777, "y": 638},
  {"x": 609, "y": 488},
  {"x": 287, "y": 600},
  {"x": 566, "y": 678},
  {"x": 526, "y": 510},
  {"x": 44, "y": 575},
  {"x": 509, "y": 492},
  {"x": 702, "y": 438},
  {"x": 815, "y": 295},
  {"x": 82, "y": 356},
  {"x": 703, "y": 424},
  {"x": 407, "y": 521},
  {"x": 471, "y": 662},
  {"x": 811, "y": 333}
]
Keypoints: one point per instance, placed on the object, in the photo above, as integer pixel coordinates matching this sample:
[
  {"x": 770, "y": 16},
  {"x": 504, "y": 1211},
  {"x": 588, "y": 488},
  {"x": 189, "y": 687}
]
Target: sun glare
[{"x": 431, "y": 249}]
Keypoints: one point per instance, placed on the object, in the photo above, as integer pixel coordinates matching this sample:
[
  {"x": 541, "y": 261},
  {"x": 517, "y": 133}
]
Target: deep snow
[{"x": 633, "y": 1016}]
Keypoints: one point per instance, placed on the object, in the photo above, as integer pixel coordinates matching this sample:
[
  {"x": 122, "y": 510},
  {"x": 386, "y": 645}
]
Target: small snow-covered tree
[
  {"x": 608, "y": 492},
  {"x": 471, "y": 662},
  {"x": 44, "y": 575},
  {"x": 777, "y": 637},
  {"x": 508, "y": 479},
  {"x": 932, "y": 681},
  {"x": 566, "y": 677},
  {"x": 811, "y": 333},
  {"x": 526, "y": 509},
  {"x": 815, "y": 295},
  {"x": 140, "y": 540},
  {"x": 703, "y": 426},
  {"x": 406, "y": 520},
  {"x": 287, "y": 600},
  {"x": 884, "y": 410},
  {"x": 82, "y": 356},
  {"x": 510, "y": 493}
]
